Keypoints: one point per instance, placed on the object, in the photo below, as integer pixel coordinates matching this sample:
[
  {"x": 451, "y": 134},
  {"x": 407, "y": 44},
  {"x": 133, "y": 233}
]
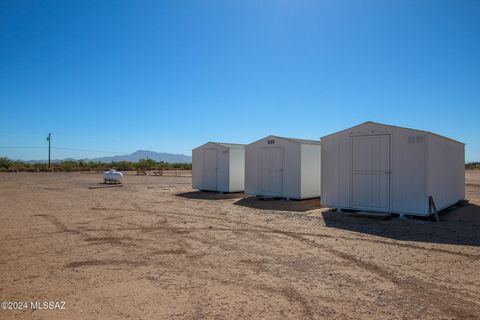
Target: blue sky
[{"x": 170, "y": 75}]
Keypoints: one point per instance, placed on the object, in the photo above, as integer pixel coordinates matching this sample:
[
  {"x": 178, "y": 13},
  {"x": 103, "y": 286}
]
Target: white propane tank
[{"x": 113, "y": 176}]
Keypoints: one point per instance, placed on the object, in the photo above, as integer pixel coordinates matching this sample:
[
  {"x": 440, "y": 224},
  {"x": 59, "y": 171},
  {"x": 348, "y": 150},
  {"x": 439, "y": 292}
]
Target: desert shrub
[
  {"x": 66, "y": 166},
  {"x": 146, "y": 164},
  {"x": 472, "y": 165},
  {"x": 6, "y": 163},
  {"x": 123, "y": 165}
]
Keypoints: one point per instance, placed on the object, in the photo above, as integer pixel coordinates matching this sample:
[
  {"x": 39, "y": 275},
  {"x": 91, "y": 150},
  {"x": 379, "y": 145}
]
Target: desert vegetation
[
  {"x": 9, "y": 165},
  {"x": 472, "y": 165}
]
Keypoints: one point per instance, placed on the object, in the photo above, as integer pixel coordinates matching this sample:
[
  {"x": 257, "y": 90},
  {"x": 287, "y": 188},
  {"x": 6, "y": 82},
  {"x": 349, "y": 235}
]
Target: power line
[
  {"x": 88, "y": 150},
  {"x": 23, "y": 147},
  {"x": 62, "y": 148}
]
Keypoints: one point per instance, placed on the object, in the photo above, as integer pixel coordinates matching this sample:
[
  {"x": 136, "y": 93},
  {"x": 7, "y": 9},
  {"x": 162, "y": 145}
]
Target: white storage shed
[
  {"x": 383, "y": 168},
  {"x": 283, "y": 167},
  {"x": 219, "y": 167}
]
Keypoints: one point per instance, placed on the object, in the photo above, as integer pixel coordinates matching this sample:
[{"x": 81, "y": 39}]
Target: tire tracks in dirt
[
  {"x": 95, "y": 263},
  {"x": 236, "y": 222},
  {"x": 420, "y": 291},
  {"x": 429, "y": 292},
  {"x": 59, "y": 225},
  {"x": 376, "y": 241},
  {"x": 457, "y": 307}
]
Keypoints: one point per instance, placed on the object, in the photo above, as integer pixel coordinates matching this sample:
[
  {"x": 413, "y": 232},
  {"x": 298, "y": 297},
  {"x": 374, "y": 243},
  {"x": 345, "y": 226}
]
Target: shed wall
[
  {"x": 223, "y": 176},
  {"x": 310, "y": 170},
  {"x": 446, "y": 171},
  {"x": 292, "y": 171},
  {"x": 198, "y": 165},
  {"x": 237, "y": 170},
  {"x": 407, "y": 165},
  {"x": 408, "y": 178},
  {"x": 291, "y": 167},
  {"x": 336, "y": 170}
]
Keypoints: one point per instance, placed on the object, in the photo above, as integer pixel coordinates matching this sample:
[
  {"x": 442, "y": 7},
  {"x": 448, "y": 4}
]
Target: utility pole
[{"x": 49, "y": 139}]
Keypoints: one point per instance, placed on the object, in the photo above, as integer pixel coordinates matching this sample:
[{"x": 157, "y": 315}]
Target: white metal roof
[
  {"x": 224, "y": 144},
  {"x": 303, "y": 141},
  {"x": 388, "y": 125},
  {"x": 230, "y": 145}
]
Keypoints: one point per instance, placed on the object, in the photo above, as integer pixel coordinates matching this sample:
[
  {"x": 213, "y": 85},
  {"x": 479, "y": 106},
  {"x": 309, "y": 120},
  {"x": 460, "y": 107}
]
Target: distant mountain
[
  {"x": 137, "y": 155},
  {"x": 143, "y": 154}
]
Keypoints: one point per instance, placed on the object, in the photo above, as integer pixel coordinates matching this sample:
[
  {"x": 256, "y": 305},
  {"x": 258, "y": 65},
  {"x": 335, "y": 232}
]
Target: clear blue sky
[{"x": 171, "y": 75}]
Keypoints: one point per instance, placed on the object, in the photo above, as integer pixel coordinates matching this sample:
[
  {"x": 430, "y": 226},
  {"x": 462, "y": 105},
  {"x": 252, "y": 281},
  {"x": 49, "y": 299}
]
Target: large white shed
[
  {"x": 383, "y": 168},
  {"x": 283, "y": 167},
  {"x": 219, "y": 167}
]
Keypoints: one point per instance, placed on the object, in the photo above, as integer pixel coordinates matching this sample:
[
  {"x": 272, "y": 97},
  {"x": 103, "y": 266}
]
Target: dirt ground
[{"x": 156, "y": 249}]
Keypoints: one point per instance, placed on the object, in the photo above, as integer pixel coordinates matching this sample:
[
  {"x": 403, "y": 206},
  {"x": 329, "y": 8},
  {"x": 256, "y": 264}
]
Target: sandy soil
[{"x": 156, "y": 249}]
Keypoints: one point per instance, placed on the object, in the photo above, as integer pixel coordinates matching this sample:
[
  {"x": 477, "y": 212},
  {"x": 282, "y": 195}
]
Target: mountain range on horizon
[{"x": 133, "y": 157}]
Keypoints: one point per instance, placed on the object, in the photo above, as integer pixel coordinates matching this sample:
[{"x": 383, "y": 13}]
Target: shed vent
[{"x": 415, "y": 139}]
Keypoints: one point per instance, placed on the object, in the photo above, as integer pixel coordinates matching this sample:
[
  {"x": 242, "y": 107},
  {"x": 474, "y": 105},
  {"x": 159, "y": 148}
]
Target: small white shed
[
  {"x": 383, "y": 168},
  {"x": 283, "y": 167},
  {"x": 219, "y": 167}
]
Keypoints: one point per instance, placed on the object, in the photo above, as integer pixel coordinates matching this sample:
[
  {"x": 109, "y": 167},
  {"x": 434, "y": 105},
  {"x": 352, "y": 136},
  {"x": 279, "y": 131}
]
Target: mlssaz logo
[{"x": 47, "y": 305}]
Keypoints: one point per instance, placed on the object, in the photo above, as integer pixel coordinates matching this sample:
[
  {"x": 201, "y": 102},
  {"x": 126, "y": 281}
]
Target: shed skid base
[
  {"x": 283, "y": 198},
  {"x": 369, "y": 214},
  {"x": 402, "y": 215},
  {"x": 221, "y": 192}
]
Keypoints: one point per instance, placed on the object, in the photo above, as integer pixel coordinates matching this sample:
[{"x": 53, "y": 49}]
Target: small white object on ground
[{"x": 112, "y": 176}]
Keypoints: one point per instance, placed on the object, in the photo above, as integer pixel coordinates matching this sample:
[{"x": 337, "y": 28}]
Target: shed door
[
  {"x": 210, "y": 169},
  {"x": 371, "y": 172},
  {"x": 272, "y": 171}
]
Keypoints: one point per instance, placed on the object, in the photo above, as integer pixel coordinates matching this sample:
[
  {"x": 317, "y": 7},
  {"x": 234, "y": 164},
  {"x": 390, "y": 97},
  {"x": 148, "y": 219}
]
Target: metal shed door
[
  {"x": 371, "y": 172},
  {"x": 272, "y": 171},
  {"x": 210, "y": 169}
]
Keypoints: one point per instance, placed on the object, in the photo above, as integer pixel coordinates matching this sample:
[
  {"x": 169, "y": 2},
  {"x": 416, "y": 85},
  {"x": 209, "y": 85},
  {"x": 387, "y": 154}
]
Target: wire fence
[{"x": 170, "y": 172}]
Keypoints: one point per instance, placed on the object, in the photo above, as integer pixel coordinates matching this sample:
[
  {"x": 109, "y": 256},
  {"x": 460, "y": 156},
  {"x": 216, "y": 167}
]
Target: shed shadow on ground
[
  {"x": 210, "y": 195},
  {"x": 280, "y": 204},
  {"x": 460, "y": 226}
]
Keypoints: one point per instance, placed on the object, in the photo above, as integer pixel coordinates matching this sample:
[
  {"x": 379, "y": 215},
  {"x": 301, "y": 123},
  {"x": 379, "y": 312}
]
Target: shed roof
[
  {"x": 307, "y": 141},
  {"x": 223, "y": 144},
  {"x": 303, "y": 141},
  {"x": 388, "y": 125},
  {"x": 230, "y": 145}
]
